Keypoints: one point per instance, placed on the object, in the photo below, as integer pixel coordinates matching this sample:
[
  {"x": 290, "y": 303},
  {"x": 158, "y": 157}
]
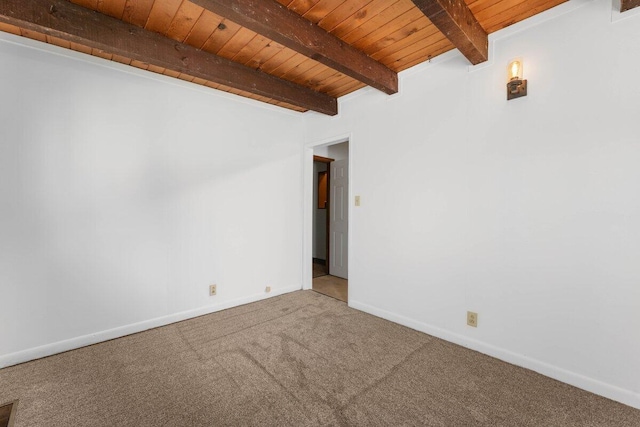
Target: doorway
[
  {"x": 330, "y": 220},
  {"x": 321, "y": 218}
]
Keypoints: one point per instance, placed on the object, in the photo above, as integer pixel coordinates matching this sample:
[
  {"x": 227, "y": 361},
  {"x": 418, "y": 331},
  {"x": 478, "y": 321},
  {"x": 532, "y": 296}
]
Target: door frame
[{"x": 307, "y": 223}]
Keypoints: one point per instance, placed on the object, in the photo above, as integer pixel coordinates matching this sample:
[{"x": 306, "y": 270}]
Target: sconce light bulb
[
  {"x": 516, "y": 85},
  {"x": 516, "y": 70}
]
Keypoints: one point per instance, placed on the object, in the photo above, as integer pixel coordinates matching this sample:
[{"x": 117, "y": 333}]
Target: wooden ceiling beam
[
  {"x": 68, "y": 21},
  {"x": 274, "y": 21},
  {"x": 628, "y": 5},
  {"x": 454, "y": 19}
]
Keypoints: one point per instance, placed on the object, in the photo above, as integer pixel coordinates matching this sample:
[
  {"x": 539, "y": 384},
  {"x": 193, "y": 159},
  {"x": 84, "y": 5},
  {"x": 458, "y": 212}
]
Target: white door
[{"x": 339, "y": 223}]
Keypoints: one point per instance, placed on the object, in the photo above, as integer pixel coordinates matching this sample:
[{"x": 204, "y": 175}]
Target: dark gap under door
[{"x": 6, "y": 414}]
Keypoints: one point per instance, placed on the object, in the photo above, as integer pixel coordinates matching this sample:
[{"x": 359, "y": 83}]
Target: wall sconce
[{"x": 516, "y": 85}]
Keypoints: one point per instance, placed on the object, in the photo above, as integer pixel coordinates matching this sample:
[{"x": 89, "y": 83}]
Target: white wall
[
  {"x": 123, "y": 195},
  {"x": 527, "y": 211},
  {"x": 336, "y": 151}
]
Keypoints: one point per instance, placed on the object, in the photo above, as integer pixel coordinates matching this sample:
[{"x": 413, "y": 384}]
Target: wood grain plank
[
  {"x": 121, "y": 59},
  {"x": 101, "y": 54},
  {"x": 373, "y": 9},
  {"x": 296, "y": 74},
  {"x": 203, "y": 29},
  {"x": 199, "y": 81},
  {"x": 140, "y": 64},
  {"x": 221, "y": 35},
  {"x": 108, "y": 36},
  {"x": 321, "y": 9},
  {"x": 413, "y": 39},
  {"x": 519, "y": 11},
  {"x": 322, "y": 75},
  {"x": 34, "y": 35},
  {"x": 171, "y": 73},
  {"x": 257, "y": 44},
  {"x": 184, "y": 21},
  {"x": 11, "y": 29},
  {"x": 347, "y": 88},
  {"x": 405, "y": 63},
  {"x": 428, "y": 52},
  {"x": 113, "y": 8},
  {"x": 58, "y": 42},
  {"x": 500, "y": 8},
  {"x": 425, "y": 49},
  {"x": 405, "y": 24},
  {"x": 162, "y": 14},
  {"x": 336, "y": 81},
  {"x": 290, "y": 107},
  {"x": 285, "y": 67},
  {"x": 382, "y": 19},
  {"x": 454, "y": 19},
  {"x": 81, "y": 48},
  {"x": 186, "y": 77},
  {"x": 236, "y": 43},
  {"x": 341, "y": 13},
  {"x": 265, "y": 55},
  {"x": 337, "y": 88},
  {"x": 274, "y": 21},
  {"x": 136, "y": 12},
  {"x": 270, "y": 65},
  {"x": 301, "y": 6},
  {"x": 480, "y": 5},
  {"x": 309, "y": 75},
  {"x": 156, "y": 69}
]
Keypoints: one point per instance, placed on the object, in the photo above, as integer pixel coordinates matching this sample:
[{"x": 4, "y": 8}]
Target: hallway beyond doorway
[{"x": 332, "y": 286}]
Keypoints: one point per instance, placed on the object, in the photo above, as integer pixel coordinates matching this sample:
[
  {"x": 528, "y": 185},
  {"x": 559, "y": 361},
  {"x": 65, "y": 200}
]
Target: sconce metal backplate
[{"x": 516, "y": 89}]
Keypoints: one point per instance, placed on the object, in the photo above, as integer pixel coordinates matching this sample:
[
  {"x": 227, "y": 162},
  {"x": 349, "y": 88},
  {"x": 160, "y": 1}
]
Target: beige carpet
[{"x": 301, "y": 359}]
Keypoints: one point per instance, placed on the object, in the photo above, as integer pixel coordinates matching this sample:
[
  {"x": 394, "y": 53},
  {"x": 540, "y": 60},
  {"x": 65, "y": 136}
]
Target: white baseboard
[
  {"x": 609, "y": 391},
  {"x": 85, "y": 340}
]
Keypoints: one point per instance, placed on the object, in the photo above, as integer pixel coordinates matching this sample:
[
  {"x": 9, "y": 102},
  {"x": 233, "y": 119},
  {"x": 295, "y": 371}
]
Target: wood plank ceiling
[{"x": 298, "y": 54}]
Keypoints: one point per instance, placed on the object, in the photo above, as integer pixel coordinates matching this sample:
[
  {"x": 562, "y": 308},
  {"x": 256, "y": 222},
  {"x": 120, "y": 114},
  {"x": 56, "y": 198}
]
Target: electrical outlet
[
  {"x": 267, "y": 289},
  {"x": 472, "y": 319},
  {"x": 212, "y": 290}
]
